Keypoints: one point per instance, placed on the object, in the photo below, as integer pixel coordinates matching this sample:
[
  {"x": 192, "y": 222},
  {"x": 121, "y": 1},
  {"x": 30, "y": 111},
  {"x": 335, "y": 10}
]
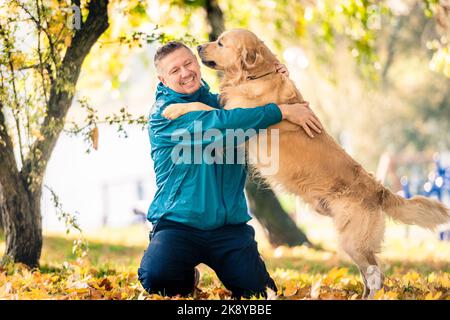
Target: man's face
[{"x": 180, "y": 71}]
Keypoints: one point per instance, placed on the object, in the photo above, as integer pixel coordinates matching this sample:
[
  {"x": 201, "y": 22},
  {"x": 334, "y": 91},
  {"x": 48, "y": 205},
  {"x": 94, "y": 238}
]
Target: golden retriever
[{"x": 318, "y": 170}]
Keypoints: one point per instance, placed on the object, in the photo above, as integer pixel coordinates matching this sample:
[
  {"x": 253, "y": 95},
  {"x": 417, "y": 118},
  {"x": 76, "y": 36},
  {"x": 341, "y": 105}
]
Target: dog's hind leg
[
  {"x": 369, "y": 269},
  {"x": 373, "y": 275},
  {"x": 364, "y": 280},
  {"x": 360, "y": 236}
]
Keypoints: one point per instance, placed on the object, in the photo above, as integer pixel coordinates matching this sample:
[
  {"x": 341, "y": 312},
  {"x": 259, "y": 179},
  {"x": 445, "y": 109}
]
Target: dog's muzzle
[{"x": 208, "y": 63}]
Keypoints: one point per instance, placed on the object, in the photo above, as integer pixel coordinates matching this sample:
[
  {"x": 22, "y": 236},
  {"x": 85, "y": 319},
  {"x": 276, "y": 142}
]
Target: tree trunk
[
  {"x": 264, "y": 204},
  {"x": 20, "y": 192},
  {"x": 22, "y": 223},
  {"x": 215, "y": 19},
  {"x": 280, "y": 228},
  {"x": 2, "y": 205},
  {"x": 1, "y": 220},
  {"x": 19, "y": 208}
]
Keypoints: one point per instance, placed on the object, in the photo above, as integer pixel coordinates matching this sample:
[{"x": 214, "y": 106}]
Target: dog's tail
[{"x": 421, "y": 211}]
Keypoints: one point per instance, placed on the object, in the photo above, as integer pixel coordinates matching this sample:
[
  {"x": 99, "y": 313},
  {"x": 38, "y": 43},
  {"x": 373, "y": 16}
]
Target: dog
[{"x": 318, "y": 170}]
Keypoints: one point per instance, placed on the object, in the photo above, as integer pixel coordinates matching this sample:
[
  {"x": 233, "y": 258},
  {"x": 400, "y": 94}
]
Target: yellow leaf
[
  {"x": 379, "y": 295},
  {"x": 411, "y": 276},
  {"x": 335, "y": 275},
  {"x": 445, "y": 281},
  {"x": 432, "y": 277},
  {"x": 391, "y": 295},
  {"x": 18, "y": 60},
  {"x": 388, "y": 282},
  {"x": 79, "y": 291},
  {"x": 430, "y": 296},
  {"x": 36, "y": 294},
  {"x": 291, "y": 289},
  {"x": 68, "y": 40}
]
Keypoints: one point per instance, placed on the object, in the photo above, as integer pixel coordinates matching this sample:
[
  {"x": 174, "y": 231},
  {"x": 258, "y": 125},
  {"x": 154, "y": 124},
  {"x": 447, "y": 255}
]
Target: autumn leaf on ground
[
  {"x": 315, "y": 289},
  {"x": 290, "y": 289}
]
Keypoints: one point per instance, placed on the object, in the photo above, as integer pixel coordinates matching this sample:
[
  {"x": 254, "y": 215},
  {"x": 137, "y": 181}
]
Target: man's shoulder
[
  {"x": 160, "y": 104},
  {"x": 212, "y": 100}
]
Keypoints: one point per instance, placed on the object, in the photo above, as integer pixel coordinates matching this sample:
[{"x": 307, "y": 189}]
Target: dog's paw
[{"x": 174, "y": 111}]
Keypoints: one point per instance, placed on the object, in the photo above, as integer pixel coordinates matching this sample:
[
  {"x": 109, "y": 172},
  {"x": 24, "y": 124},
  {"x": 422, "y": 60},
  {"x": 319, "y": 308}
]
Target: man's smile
[{"x": 189, "y": 81}]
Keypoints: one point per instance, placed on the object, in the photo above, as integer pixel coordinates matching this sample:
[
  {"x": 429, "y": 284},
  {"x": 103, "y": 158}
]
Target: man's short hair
[{"x": 167, "y": 49}]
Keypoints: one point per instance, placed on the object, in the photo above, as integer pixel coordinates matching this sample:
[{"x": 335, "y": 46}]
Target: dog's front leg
[{"x": 176, "y": 110}]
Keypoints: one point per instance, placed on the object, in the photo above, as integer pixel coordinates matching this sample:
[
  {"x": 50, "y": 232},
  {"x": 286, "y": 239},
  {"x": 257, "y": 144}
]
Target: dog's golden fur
[{"x": 318, "y": 169}]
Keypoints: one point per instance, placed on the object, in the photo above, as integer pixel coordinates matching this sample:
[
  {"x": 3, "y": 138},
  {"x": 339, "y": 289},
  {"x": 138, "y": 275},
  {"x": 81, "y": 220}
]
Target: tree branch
[
  {"x": 8, "y": 165},
  {"x": 41, "y": 63},
  {"x": 39, "y": 26},
  {"x": 63, "y": 86},
  {"x": 17, "y": 107}
]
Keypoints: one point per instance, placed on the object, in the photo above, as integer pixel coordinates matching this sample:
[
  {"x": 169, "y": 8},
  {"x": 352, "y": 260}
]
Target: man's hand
[
  {"x": 176, "y": 110},
  {"x": 302, "y": 115},
  {"x": 281, "y": 68}
]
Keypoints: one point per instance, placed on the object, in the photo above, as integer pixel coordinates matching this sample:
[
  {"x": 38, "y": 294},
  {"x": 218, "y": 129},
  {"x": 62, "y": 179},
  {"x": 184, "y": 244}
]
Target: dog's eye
[{"x": 219, "y": 44}]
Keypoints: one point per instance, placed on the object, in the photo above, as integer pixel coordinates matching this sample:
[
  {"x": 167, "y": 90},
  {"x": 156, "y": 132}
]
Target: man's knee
[
  {"x": 145, "y": 278},
  {"x": 161, "y": 282}
]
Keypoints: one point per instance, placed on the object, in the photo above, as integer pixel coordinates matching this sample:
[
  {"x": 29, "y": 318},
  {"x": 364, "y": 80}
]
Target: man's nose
[{"x": 185, "y": 72}]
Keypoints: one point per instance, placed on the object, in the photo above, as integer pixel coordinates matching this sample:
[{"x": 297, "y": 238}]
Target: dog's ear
[{"x": 249, "y": 57}]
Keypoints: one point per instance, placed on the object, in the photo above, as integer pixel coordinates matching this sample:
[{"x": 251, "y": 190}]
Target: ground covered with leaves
[{"x": 414, "y": 270}]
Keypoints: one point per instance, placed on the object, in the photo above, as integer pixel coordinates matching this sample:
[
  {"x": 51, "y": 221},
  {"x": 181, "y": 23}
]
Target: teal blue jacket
[{"x": 200, "y": 195}]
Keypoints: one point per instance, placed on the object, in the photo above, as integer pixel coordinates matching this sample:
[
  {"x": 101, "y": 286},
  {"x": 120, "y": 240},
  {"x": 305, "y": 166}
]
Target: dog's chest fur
[{"x": 252, "y": 93}]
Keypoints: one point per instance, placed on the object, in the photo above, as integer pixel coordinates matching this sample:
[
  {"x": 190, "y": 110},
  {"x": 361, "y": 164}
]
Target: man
[{"x": 199, "y": 212}]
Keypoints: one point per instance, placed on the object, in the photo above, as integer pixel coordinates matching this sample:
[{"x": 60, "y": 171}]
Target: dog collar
[{"x": 257, "y": 77}]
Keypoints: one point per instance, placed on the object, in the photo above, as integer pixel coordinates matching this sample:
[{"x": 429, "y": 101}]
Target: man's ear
[{"x": 161, "y": 78}]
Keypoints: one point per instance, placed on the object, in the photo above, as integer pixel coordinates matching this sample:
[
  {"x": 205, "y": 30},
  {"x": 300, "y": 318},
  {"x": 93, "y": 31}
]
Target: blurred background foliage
[{"x": 377, "y": 72}]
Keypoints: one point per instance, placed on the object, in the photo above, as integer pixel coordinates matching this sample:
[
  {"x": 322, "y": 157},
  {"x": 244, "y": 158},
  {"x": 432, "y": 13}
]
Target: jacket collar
[{"x": 164, "y": 92}]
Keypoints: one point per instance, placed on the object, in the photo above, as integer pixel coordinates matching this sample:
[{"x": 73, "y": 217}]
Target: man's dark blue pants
[{"x": 167, "y": 266}]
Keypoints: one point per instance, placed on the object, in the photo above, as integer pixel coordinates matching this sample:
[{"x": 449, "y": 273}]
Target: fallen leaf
[
  {"x": 315, "y": 289},
  {"x": 290, "y": 289},
  {"x": 430, "y": 296}
]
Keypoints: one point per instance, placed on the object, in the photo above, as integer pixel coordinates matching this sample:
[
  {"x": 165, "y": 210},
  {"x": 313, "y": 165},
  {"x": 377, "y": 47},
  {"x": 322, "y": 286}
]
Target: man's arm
[
  {"x": 299, "y": 114},
  {"x": 197, "y": 123}
]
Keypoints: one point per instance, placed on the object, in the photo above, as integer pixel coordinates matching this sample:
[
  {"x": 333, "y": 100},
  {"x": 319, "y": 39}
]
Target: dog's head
[{"x": 235, "y": 52}]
